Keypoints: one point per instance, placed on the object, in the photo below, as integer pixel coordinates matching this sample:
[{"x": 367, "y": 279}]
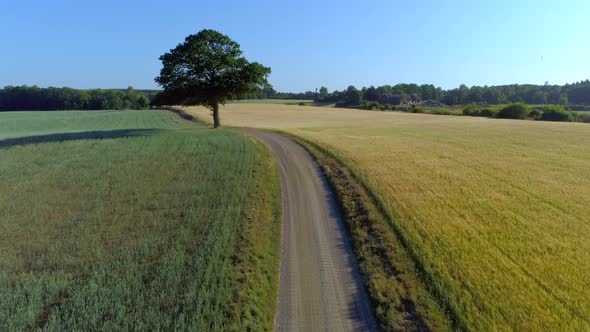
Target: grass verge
[{"x": 255, "y": 305}]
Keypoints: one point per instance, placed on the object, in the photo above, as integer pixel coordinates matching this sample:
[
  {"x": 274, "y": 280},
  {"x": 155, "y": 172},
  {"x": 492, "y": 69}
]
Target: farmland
[
  {"x": 134, "y": 220},
  {"x": 272, "y": 101},
  {"x": 495, "y": 211}
]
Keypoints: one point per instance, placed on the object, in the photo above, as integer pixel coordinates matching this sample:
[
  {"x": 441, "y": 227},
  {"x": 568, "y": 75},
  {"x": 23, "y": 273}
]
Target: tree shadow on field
[{"x": 62, "y": 137}]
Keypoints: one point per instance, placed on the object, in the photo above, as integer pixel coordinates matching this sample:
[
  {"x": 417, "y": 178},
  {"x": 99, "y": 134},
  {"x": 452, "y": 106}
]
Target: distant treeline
[
  {"x": 16, "y": 98},
  {"x": 576, "y": 95},
  {"x": 270, "y": 93},
  {"x": 569, "y": 94}
]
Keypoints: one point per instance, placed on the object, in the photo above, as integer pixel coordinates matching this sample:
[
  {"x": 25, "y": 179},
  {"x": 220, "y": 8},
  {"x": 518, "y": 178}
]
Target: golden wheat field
[{"x": 499, "y": 210}]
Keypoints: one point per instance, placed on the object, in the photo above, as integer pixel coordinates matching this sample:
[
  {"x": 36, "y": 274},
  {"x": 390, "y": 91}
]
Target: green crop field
[
  {"x": 132, "y": 220},
  {"x": 496, "y": 212}
]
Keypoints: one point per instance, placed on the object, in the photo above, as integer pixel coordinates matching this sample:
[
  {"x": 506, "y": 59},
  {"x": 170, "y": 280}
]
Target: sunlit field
[
  {"x": 498, "y": 211},
  {"x": 271, "y": 101},
  {"x": 133, "y": 221}
]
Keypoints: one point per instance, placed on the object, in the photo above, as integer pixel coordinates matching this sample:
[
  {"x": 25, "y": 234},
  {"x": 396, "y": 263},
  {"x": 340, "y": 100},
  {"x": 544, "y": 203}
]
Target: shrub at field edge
[{"x": 517, "y": 110}]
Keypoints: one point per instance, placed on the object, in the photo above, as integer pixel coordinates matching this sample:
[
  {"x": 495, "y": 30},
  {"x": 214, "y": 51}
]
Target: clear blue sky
[{"x": 107, "y": 43}]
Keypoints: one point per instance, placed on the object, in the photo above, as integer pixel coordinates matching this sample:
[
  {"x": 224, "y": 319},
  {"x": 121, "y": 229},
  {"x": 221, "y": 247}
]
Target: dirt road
[
  {"x": 320, "y": 287},
  {"x": 181, "y": 118}
]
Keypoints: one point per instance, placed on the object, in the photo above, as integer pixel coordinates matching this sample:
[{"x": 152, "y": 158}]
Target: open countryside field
[
  {"x": 271, "y": 101},
  {"x": 496, "y": 211},
  {"x": 133, "y": 220}
]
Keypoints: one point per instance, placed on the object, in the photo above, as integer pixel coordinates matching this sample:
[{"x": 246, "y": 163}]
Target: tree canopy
[{"x": 208, "y": 69}]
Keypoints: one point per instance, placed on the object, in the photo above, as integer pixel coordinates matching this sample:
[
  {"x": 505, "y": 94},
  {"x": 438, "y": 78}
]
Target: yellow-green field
[{"x": 498, "y": 211}]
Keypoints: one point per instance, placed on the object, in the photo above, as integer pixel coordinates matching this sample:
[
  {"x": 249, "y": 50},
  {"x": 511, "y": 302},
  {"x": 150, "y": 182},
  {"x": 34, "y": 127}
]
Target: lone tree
[{"x": 208, "y": 69}]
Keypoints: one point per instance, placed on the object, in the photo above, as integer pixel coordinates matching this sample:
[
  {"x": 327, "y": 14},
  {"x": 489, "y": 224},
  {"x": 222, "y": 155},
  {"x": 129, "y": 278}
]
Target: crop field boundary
[{"x": 365, "y": 213}]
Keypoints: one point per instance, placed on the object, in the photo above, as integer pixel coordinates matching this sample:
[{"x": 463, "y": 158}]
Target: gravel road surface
[{"x": 320, "y": 288}]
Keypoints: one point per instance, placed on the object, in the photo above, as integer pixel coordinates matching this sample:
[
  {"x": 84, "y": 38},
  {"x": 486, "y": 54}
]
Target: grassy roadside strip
[
  {"x": 258, "y": 259},
  {"x": 403, "y": 294},
  {"x": 257, "y": 263}
]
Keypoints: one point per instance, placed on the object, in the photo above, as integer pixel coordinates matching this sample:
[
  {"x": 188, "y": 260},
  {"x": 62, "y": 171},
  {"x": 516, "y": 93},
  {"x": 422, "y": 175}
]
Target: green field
[{"x": 131, "y": 220}]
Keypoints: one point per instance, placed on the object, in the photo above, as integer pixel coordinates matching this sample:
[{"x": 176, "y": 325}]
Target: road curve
[{"x": 320, "y": 287}]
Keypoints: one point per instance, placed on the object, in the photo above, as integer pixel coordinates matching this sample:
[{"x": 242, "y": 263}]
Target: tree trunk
[{"x": 216, "y": 121}]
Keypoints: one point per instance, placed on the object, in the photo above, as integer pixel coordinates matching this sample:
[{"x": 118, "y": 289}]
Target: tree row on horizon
[
  {"x": 569, "y": 94},
  {"x": 18, "y": 98}
]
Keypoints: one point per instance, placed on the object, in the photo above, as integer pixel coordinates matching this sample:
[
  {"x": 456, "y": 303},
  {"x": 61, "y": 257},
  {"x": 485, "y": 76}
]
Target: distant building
[
  {"x": 391, "y": 99},
  {"x": 395, "y": 99},
  {"x": 414, "y": 98}
]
